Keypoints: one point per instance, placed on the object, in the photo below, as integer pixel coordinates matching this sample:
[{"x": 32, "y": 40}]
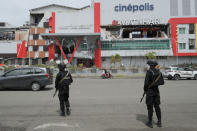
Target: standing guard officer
[
  {"x": 153, "y": 79},
  {"x": 62, "y": 82}
]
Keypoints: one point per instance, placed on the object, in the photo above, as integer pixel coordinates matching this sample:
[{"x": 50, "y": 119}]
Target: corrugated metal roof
[
  {"x": 8, "y": 47},
  {"x": 58, "y": 6}
]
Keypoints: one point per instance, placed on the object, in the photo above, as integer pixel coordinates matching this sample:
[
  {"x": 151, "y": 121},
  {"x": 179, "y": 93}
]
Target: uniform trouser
[
  {"x": 150, "y": 112},
  {"x": 64, "y": 101},
  {"x": 153, "y": 101}
]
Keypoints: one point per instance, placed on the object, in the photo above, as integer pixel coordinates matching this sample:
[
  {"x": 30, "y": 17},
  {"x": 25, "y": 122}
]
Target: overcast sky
[{"x": 16, "y": 12}]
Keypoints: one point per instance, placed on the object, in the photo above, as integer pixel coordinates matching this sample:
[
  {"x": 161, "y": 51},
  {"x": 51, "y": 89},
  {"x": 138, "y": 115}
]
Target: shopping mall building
[{"x": 130, "y": 28}]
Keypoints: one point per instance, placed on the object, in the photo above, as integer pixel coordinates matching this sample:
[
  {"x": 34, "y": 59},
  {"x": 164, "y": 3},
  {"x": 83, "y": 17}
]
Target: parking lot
[{"x": 99, "y": 105}]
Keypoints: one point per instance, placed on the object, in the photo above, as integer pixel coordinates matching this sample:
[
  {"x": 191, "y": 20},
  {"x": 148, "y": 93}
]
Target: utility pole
[{"x": 62, "y": 48}]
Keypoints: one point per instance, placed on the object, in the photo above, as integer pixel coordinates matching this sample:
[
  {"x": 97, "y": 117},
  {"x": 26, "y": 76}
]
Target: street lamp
[{"x": 62, "y": 48}]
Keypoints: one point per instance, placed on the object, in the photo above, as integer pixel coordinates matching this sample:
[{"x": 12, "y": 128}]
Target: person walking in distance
[
  {"x": 153, "y": 79},
  {"x": 62, "y": 82}
]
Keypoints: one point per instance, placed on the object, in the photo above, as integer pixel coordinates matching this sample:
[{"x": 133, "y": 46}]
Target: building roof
[
  {"x": 7, "y": 26},
  {"x": 52, "y": 5},
  {"x": 68, "y": 35}
]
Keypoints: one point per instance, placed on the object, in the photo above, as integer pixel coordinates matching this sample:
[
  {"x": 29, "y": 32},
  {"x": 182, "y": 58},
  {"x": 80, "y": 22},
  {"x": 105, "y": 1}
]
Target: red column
[
  {"x": 52, "y": 46},
  {"x": 21, "y": 50},
  {"x": 24, "y": 49},
  {"x": 97, "y": 29},
  {"x": 18, "y": 51},
  {"x": 96, "y": 17},
  {"x": 52, "y": 23},
  {"x": 97, "y": 55},
  {"x": 51, "y": 52},
  {"x": 174, "y": 38}
]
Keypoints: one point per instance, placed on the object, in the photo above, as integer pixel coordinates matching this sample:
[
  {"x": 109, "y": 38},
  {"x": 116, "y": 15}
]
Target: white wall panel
[
  {"x": 160, "y": 12},
  {"x": 75, "y": 22}
]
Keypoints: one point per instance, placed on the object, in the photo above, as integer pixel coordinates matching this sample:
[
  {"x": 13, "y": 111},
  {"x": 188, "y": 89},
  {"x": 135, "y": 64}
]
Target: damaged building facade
[{"x": 132, "y": 29}]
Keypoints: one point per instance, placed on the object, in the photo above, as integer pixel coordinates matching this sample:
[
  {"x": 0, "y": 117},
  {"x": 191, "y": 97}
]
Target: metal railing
[
  {"x": 136, "y": 45},
  {"x": 152, "y": 44}
]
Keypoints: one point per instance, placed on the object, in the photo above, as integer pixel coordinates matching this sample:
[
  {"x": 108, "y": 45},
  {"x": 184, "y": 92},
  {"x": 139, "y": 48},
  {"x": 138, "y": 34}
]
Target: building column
[
  {"x": 39, "y": 61},
  {"x": 30, "y": 61},
  {"x": 16, "y": 61},
  {"x": 9, "y": 62},
  {"x": 196, "y": 36},
  {"x": 23, "y": 61},
  {"x": 97, "y": 55}
]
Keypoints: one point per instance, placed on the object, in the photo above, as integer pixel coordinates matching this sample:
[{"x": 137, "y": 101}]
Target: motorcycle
[{"x": 107, "y": 75}]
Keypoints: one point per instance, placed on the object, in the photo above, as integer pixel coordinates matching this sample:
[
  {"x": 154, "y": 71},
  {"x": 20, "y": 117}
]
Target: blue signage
[{"x": 134, "y": 8}]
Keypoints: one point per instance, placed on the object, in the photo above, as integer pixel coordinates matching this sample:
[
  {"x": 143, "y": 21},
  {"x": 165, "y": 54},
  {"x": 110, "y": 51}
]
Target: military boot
[
  {"x": 159, "y": 124},
  {"x": 68, "y": 111},
  {"x": 150, "y": 116},
  {"x": 149, "y": 124},
  {"x": 158, "y": 113},
  {"x": 62, "y": 110},
  {"x": 62, "y": 114}
]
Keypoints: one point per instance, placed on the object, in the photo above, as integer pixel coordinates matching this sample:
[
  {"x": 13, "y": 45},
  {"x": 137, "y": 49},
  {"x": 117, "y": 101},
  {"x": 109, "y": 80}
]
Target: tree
[
  {"x": 151, "y": 55},
  {"x": 113, "y": 60},
  {"x": 118, "y": 58}
]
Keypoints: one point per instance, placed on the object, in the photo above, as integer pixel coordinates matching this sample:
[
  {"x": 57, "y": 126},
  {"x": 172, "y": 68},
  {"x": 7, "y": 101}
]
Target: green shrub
[
  {"x": 81, "y": 65},
  {"x": 6, "y": 68}
]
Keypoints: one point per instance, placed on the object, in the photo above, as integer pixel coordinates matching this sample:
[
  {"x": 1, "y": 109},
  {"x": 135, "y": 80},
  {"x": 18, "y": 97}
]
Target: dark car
[{"x": 34, "y": 78}]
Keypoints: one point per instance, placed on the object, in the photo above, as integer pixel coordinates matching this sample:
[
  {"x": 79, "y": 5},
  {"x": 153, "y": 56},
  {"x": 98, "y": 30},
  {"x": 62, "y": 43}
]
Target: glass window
[
  {"x": 181, "y": 30},
  {"x": 182, "y": 46},
  {"x": 26, "y": 71},
  {"x": 191, "y": 29},
  {"x": 13, "y": 73},
  {"x": 38, "y": 71},
  {"x": 180, "y": 69},
  {"x": 192, "y": 44},
  {"x": 188, "y": 69},
  {"x": 174, "y": 68}
]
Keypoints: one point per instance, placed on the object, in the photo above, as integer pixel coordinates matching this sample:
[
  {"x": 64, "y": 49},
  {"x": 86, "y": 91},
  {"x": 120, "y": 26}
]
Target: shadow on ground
[
  {"x": 45, "y": 89},
  {"x": 7, "y": 128},
  {"x": 142, "y": 118},
  {"x": 153, "y": 129}
]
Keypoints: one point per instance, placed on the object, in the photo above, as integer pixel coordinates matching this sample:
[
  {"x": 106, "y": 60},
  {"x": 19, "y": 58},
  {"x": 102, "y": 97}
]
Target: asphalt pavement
[{"x": 99, "y": 105}]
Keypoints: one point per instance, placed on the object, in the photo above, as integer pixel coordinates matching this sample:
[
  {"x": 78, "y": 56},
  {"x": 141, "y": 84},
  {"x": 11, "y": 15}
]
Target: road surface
[{"x": 99, "y": 105}]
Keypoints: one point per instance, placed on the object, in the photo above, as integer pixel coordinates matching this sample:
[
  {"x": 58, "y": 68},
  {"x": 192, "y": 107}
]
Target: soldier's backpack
[{"x": 159, "y": 80}]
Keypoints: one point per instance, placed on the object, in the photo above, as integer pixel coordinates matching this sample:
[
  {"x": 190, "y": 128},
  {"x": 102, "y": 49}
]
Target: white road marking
[{"x": 46, "y": 125}]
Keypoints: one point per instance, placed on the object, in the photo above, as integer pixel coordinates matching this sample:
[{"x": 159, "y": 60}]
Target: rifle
[
  {"x": 150, "y": 86},
  {"x": 142, "y": 96},
  {"x": 55, "y": 93}
]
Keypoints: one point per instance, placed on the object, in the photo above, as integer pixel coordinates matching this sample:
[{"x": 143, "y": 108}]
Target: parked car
[
  {"x": 34, "y": 78},
  {"x": 177, "y": 73}
]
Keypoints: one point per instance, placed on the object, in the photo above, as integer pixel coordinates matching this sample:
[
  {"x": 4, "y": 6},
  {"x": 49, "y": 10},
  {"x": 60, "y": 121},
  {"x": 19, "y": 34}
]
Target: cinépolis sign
[{"x": 134, "y": 8}]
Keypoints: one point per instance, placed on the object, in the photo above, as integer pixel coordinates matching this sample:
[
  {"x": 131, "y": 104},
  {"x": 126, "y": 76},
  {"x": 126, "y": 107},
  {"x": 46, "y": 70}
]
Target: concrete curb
[{"x": 119, "y": 76}]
